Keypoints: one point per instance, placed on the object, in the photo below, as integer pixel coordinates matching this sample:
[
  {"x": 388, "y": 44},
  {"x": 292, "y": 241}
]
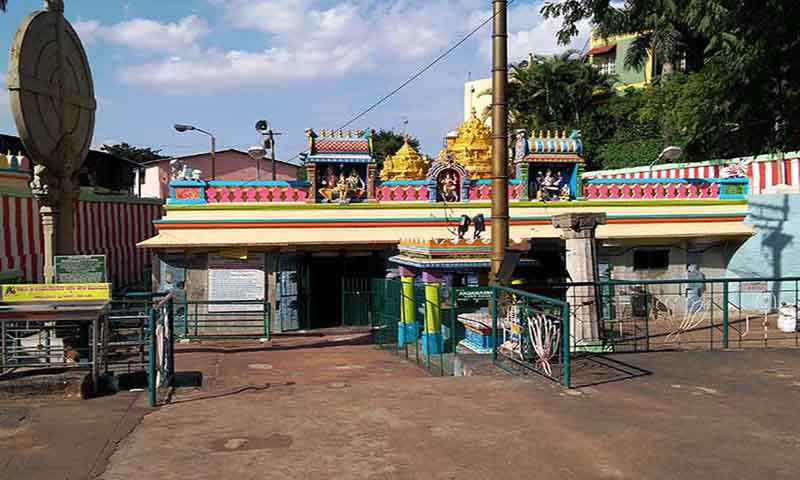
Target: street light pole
[
  {"x": 272, "y": 153},
  {"x": 500, "y": 232},
  {"x": 179, "y": 127},
  {"x": 213, "y": 156}
]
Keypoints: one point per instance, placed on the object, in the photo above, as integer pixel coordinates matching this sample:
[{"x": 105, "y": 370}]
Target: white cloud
[
  {"x": 145, "y": 35},
  {"x": 307, "y": 39},
  {"x": 529, "y": 32}
]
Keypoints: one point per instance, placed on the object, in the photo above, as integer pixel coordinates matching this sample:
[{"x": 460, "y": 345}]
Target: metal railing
[
  {"x": 218, "y": 319},
  {"x": 36, "y": 344},
  {"x": 428, "y": 336},
  {"x": 161, "y": 352},
  {"x": 688, "y": 314},
  {"x": 531, "y": 334}
]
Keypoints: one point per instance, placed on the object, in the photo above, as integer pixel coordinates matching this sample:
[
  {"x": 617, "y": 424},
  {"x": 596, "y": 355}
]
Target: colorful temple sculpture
[
  {"x": 472, "y": 147},
  {"x": 405, "y": 164},
  {"x": 448, "y": 180},
  {"x": 549, "y": 166},
  {"x": 340, "y": 166},
  {"x": 435, "y": 265}
]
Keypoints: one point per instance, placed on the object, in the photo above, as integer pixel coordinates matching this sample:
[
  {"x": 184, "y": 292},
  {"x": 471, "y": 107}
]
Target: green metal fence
[
  {"x": 230, "y": 319},
  {"x": 418, "y": 325},
  {"x": 687, "y": 314},
  {"x": 531, "y": 334}
]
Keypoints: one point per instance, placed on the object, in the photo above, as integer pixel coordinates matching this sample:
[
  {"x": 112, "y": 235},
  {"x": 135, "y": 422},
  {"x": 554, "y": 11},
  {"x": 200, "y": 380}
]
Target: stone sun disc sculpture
[{"x": 51, "y": 91}]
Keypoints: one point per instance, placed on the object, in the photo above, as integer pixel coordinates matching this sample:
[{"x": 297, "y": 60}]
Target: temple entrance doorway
[
  {"x": 330, "y": 274},
  {"x": 550, "y": 273}
]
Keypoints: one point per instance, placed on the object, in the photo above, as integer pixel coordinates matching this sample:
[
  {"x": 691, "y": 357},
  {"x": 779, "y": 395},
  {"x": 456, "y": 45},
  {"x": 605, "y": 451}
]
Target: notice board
[
  {"x": 236, "y": 279},
  {"x": 80, "y": 268}
]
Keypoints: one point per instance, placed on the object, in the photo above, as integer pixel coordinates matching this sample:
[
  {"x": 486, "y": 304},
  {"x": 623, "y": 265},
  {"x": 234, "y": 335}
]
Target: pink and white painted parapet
[{"x": 763, "y": 171}]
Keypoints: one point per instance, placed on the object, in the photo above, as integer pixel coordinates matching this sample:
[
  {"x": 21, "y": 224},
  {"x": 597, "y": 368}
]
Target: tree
[
  {"x": 387, "y": 142},
  {"x": 136, "y": 154},
  {"x": 663, "y": 28},
  {"x": 741, "y": 94}
]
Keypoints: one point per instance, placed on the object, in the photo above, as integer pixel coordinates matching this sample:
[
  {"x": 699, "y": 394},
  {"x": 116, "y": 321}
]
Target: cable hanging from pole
[{"x": 418, "y": 74}]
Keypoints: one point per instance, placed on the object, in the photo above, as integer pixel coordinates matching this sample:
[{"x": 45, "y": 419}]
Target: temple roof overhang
[{"x": 373, "y": 225}]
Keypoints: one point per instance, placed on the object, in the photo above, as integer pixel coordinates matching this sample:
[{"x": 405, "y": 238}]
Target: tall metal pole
[
  {"x": 272, "y": 149},
  {"x": 499, "y": 136},
  {"x": 213, "y": 157}
]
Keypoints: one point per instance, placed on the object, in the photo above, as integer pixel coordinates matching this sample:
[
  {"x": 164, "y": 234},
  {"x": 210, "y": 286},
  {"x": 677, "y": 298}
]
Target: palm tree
[{"x": 554, "y": 91}]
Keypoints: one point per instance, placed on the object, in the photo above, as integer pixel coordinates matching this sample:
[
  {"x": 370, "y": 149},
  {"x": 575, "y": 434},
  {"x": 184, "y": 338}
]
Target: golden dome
[
  {"x": 406, "y": 164},
  {"x": 472, "y": 148}
]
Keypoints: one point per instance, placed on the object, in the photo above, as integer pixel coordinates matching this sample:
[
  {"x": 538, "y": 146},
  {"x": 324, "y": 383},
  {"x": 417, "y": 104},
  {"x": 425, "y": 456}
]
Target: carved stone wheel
[{"x": 51, "y": 92}]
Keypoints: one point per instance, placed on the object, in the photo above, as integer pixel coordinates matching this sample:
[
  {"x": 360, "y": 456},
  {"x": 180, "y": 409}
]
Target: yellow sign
[
  {"x": 55, "y": 292},
  {"x": 238, "y": 253}
]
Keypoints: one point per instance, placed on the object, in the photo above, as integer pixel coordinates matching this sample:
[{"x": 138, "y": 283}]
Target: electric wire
[{"x": 415, "y": 76}]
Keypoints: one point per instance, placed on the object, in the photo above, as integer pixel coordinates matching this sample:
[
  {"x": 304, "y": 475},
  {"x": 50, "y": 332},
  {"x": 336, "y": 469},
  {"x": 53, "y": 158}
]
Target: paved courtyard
[
  {"x": 357, "y": 412},
  {"x": 332, "y": 408}
]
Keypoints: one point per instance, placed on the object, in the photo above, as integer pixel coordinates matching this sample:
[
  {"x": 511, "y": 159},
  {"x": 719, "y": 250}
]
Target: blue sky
[{"x": 223, "y": 64}]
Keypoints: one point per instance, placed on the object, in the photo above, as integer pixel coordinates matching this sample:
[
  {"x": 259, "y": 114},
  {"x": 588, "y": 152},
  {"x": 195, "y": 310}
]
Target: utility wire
[{"x": 427, "y": 67}]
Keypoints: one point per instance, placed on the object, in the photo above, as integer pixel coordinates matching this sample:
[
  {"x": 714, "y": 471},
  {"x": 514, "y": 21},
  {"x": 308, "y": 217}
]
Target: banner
[{"x": 55, "y": 292}]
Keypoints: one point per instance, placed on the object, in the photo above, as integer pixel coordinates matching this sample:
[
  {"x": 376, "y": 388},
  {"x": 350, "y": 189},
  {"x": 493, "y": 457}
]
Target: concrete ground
[
  {"x": 63, "y": 438},
  {"x": 349, "y": 411}
]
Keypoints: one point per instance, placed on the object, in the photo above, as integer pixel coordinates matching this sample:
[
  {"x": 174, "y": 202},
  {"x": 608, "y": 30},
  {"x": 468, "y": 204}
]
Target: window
[
  {"x": 609, "y": 67},
  {"x": 651, "y": 259}
]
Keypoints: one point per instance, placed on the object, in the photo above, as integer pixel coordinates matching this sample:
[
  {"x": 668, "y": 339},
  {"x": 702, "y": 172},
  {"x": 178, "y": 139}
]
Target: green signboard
[
  {"x": 80, "y": 268},
  {"x": 473, "y": 294}
]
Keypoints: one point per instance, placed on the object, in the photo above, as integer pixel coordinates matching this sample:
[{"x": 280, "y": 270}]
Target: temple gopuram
[
  {"x": 405, "y": 164},
  {"x": 472, "y": 148}
]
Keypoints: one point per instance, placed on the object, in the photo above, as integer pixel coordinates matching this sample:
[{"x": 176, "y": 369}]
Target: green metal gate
[{"x": 356, "y": 302}]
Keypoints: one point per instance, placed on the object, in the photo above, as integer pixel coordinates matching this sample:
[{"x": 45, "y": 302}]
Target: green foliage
[
  {"x": 135, "y": 154},
  {"x": 739, "y": 94},
  {"x": 554, "y": 92},
  {"x": 387, "y": 142}
]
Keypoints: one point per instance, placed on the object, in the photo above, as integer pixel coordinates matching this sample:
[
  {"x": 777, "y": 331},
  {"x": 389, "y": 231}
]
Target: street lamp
[
  {"x": 181, "y": 128},
  {"x": 670, "y": 153},
  {"x": 257, "y": 154},
  {"x": 268, "y": 141}
]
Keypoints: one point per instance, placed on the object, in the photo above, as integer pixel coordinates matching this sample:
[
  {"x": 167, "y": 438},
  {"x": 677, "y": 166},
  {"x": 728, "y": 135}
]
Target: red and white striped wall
[
  {"x": 764, "y": 170},
  {"x": 667, "y": 171},
  {"x": 110, "y": 228},
  {"x": 764, "y": 174}
]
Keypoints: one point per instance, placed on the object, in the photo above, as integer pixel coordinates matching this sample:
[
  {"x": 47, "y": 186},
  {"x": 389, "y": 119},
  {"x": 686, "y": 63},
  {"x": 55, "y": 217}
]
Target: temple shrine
[
  {"x": 340, "y": 166},
  {"x": 347, "y": 223},
  {"x": 471, "y": 147},
  {"x": 405, "y": 164},
  {"x": 549, "y": 165}
]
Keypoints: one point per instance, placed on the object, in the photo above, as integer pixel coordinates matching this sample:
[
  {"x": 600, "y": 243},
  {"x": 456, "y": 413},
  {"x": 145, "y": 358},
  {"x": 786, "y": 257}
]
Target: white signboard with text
[{"x": 235, "y": 279}]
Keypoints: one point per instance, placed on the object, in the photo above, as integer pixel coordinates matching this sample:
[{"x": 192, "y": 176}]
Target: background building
[
  {"x": 608, "y": 54},
  {"x": 473, "y": 99},
  {"x": 231, "y": 164}
]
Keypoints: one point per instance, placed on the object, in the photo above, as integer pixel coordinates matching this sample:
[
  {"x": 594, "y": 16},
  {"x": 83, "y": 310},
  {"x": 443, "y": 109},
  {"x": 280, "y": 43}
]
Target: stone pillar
[
  {"x": 432, "y": 333},
  {"x": 49, "y": 220},
  {"x": 579, "y": 233},
  {"x": 56, "y": 193},
  {"x": 407, "y": 329}
]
